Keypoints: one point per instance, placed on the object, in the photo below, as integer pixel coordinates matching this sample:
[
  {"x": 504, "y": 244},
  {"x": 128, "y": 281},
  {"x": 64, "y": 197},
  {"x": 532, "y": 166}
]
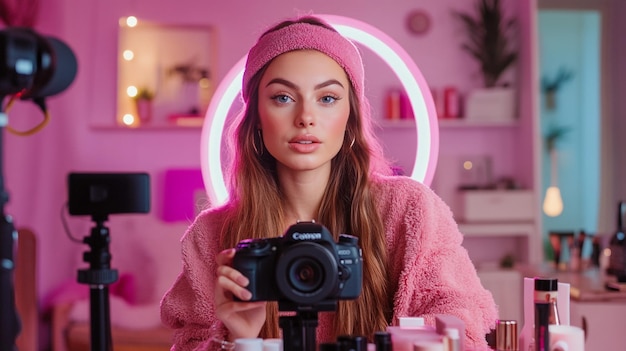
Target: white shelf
[
  {"x": 496, "y": 229},
  {"x": 396, "y": 123},
  {"x": 447, "y": 123},
  {"x": 525, "y": 231},
  {"x": 463, "y": 123}
]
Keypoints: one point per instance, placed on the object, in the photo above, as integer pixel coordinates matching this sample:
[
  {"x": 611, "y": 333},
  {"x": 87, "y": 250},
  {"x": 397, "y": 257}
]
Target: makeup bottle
[
  {"x": 545, "y": 294},
  {"x": 617, "y": 263},
  {"x": 359, "y": 343},
  {"x": 393, "y": 104},
  {"x": 411, "y": 322},
  {"x": 451, "y": 340},
  {"x": 428, "y": 346},
  {"x": 249, "y": 344},
  {"x": 329, "y": 346},
  {"x": 382, "y": 340},
  {"x": 451, "y": 102},
  {"x": 574, "y": 254},
  {"x": 352, "y": 343},
  {"x": 410, "y": 330},
  {"x": 542, "y": 326},
  {"x": 547, "y": 290},
  {"x": 274, "y": 344},
  {"x": 506, "y": 336}
]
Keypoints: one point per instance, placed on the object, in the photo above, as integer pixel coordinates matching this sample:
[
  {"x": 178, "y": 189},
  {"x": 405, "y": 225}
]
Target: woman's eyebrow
[
  {"x": 283, "y": 82},
  {"x": 294, "y": 86},
  {"x": 327, "y": 83}
]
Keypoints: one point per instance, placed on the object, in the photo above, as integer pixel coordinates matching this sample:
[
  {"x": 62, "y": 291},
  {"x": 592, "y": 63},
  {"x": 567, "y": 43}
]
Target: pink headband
[{"x": 303, "y": 36}]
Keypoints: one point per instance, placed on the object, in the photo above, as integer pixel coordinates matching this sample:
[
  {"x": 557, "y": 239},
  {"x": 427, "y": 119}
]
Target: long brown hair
[{"x": 348, "y": 206}]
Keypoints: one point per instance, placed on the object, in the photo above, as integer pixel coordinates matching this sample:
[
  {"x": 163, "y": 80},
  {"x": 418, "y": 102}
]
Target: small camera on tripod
[
  {"x": 102, "y": 194},
  {"x": 302, "y": 270},
  {"x": 99, "y": 195}
]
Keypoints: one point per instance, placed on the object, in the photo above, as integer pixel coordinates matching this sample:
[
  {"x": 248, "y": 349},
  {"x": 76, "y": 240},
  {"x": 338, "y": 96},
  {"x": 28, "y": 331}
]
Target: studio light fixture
[{"x": 405, "y": 69}]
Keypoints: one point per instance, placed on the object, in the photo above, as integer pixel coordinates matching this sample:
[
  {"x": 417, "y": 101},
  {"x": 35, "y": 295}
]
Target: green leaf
[{"x": 489, "y": 38}]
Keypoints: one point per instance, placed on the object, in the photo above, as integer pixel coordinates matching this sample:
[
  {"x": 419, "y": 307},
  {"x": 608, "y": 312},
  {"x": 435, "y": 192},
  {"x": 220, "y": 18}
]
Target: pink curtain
[{"x": 22, "y": 13}]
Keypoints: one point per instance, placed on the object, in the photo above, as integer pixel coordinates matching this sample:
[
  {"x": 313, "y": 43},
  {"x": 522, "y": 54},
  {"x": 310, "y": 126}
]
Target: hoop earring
[{"x": 254, "y": 141}]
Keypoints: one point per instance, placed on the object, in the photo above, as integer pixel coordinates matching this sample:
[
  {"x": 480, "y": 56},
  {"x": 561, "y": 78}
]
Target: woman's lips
[{"x": 304, "y": 144}]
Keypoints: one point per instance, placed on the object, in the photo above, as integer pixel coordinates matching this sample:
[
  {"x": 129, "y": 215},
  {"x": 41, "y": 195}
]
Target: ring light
[{"x": 378, "y": 42}]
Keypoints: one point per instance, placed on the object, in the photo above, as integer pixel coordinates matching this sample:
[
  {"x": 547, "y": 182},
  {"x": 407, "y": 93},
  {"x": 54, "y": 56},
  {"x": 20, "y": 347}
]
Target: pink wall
[{"x": 36, "y": 166}]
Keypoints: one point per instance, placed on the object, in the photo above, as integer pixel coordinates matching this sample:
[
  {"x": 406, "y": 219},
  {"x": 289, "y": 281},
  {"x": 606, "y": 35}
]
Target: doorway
[{"x": 570, "y": 114}]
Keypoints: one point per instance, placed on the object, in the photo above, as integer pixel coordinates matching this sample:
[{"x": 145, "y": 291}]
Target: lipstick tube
[{"x": 542, "y": 323}]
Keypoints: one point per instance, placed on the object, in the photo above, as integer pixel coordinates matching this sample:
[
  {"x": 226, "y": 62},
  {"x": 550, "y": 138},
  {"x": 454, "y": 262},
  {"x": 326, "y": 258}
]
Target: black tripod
[
  {"x": 100, "y": 195},
  {"x": 299, "y": 330},
  {"x": 99, "y": 276}
]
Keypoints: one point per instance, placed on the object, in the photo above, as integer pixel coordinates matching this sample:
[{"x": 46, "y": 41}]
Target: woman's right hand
[{"x": 243, "y": 319}]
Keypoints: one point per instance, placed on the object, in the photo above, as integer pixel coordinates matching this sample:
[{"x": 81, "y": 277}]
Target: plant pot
[
  {"x": 491, "y": 105},
  {"x": 144, "y": 110}
]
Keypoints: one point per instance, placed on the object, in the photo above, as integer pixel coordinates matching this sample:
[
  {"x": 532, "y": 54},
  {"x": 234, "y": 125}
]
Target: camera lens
[{"x": 307, "y": 273}]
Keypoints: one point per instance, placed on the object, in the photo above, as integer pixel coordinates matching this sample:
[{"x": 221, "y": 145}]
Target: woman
[{"x": 304, "y": 150}]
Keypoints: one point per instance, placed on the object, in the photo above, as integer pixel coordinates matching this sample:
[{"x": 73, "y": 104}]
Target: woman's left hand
[{"x": 243, "y": 319}]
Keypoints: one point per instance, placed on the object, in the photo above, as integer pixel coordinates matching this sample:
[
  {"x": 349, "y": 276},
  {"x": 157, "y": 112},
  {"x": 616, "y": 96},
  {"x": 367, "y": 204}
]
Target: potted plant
[
  {"x": 490, "y": 41},
  {"x": 143, "y": 104},
  {"x": 551, "y": 86}
]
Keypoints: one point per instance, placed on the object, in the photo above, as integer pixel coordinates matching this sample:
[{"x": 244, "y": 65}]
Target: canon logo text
[{"x": 306, "y": 236}]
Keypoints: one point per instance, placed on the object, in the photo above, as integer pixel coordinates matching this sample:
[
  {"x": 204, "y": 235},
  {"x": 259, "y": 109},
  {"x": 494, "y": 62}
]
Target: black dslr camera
[{"x": 302, "y": 270}]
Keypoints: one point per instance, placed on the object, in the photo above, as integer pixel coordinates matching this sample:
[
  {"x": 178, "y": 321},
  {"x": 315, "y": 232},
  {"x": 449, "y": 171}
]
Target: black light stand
[
  {"x": 99, "y": 276},
  {"x": 9, "y": 319},
  {"x": 26, "y": 72}
]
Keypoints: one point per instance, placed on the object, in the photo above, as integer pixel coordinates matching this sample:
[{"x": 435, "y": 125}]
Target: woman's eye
[
  {"x": 329, "y": 99},
  {"x": 281, "y": 99}
]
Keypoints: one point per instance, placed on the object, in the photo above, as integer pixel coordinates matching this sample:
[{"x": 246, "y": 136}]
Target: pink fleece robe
[{"x": 430, "y": 268}]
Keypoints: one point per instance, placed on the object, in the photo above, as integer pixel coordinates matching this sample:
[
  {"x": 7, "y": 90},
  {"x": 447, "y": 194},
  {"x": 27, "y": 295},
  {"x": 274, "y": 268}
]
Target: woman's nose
[{"x": 306, "y": 115}]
